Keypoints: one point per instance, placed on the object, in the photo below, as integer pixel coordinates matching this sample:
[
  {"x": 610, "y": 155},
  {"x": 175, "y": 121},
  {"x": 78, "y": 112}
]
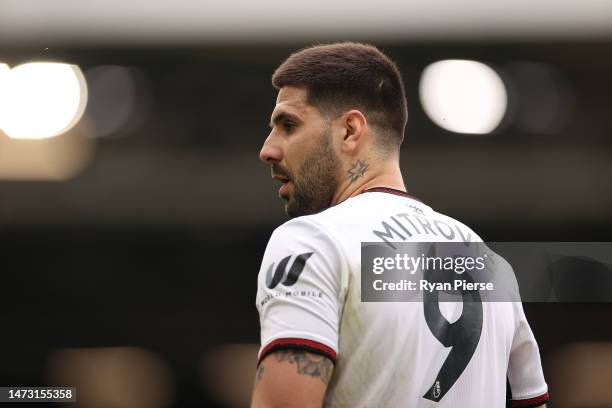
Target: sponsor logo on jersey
[{"x": 284, "y": 277}]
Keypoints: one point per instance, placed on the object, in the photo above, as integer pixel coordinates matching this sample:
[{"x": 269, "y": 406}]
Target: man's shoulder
[
  {"x": 346, "y": 212},
  {"x": 468, "y": 235},
  {"x": 371, "y": 212},
  {"x": 302, "y": 227},
  {"x": 302, "y": 237}
]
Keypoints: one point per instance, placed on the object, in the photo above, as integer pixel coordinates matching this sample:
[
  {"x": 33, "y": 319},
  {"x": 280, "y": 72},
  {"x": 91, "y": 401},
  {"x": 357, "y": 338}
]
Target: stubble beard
[{"x": 316, "y": 181}]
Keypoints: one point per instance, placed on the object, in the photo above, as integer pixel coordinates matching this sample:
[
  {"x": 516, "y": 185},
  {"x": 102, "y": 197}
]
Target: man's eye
[{"x": 289, "y": 126}]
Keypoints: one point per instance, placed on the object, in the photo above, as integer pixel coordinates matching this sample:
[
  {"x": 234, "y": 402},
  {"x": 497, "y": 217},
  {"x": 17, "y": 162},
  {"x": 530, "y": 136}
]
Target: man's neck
[{"x": 355, "y": 184}]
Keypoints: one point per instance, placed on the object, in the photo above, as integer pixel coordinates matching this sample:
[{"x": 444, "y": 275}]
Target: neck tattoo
[{"x": 357, "y": 170}]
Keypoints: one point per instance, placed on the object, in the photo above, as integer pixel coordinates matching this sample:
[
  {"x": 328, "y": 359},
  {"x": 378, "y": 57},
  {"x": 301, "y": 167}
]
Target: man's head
[{"x": 337, "y": 104}]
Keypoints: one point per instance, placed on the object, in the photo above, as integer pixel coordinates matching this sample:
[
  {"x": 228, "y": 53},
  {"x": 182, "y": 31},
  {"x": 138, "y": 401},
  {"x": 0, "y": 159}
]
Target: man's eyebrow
[{"x": 281, "y": 117}]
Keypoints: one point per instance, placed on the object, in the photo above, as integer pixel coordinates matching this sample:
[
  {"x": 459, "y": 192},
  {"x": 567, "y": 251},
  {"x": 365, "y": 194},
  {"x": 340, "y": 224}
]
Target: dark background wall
[{"x": 156, "y": 243}]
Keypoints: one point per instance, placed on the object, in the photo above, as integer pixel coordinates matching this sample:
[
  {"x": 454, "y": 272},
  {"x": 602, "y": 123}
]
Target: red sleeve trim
[
  {"x": 300, "y": 344},
  {"x": 531, "y": 402}
]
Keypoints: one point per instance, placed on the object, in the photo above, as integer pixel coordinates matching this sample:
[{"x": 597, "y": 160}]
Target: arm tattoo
[
  {"x": 260, "y": 372},
  {"x": 307, "y": 363},
  {"x": 357, "y": 170}
]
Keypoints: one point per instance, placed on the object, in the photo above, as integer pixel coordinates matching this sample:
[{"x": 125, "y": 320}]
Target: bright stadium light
[
  {"x": 42, "y": 100},
  {"x": 463, "y": 96}
]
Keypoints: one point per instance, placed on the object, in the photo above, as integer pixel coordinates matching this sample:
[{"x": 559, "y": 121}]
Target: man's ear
[{"x": 355, "y": 126}]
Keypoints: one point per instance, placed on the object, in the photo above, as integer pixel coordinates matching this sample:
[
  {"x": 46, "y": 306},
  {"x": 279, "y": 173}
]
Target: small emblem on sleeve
[
  {"x": 280, "y": 275},
  {"x": 436, "y": 390}
]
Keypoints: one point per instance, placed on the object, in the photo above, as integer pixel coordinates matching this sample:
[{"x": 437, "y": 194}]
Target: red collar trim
[{"x": 389, "y": 190}]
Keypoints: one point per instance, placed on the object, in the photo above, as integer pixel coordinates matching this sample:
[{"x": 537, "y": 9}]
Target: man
[{"x": 334, "y": 146}]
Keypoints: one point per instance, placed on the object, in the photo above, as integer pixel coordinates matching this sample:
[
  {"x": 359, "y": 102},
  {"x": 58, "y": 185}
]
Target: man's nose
[{"x": 270, "y": 152}]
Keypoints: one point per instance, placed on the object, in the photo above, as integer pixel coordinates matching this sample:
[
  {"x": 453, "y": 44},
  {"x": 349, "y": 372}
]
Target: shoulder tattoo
[{"x": 307, "y": 363}]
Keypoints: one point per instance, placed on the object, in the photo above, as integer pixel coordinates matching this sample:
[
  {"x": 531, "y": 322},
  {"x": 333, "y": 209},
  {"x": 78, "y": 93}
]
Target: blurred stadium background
[{"x": 134, "y": 211}]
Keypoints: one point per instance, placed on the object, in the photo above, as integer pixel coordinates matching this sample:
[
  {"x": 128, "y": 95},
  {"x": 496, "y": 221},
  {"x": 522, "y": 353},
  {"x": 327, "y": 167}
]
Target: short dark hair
[{"x": 348, "y": 75}]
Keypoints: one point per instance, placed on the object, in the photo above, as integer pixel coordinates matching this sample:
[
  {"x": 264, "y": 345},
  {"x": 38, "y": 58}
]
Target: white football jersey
[{"x": 385, "y": 355}]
